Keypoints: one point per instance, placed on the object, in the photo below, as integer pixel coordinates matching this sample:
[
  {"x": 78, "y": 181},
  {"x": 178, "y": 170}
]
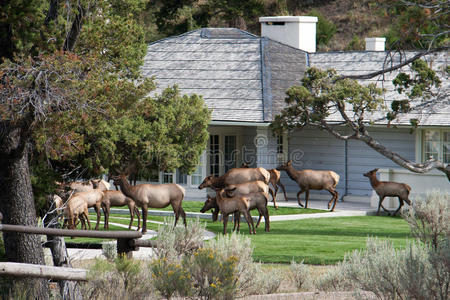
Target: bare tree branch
[{"x": 393, "y": 68}]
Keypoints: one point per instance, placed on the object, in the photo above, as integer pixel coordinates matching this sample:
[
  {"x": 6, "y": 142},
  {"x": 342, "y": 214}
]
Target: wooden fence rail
[{"x": 49, "y": 272}]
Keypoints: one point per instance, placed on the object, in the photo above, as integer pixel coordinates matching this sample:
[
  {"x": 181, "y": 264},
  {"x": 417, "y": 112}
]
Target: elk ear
[
  {"x": 375, "y": 170},
  {"x": 289, "y": 162}
]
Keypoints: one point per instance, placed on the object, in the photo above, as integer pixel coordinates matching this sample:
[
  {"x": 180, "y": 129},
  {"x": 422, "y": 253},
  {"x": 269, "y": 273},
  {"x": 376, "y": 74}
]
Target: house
[{"x": 243, "y": 78}]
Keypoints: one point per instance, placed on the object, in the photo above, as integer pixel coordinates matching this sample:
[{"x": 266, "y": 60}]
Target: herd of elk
[
  {"x": 237, "y": 191},
  {"x": 250, "y": 184}
]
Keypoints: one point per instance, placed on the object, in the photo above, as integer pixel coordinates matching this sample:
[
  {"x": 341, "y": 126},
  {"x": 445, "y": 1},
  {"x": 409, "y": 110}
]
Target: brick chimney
[
  {"x": 375, "y": 44},
  {"x": 297, "y": 32}
]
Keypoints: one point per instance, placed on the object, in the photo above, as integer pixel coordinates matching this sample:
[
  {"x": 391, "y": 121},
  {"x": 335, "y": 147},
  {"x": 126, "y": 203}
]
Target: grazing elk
[
  {"x": 117, "y": 198},
  {"x": 231, "y": 205},
  {"x": 76, "y": 208},
  {"x": 275, "y": 177},
  {"x": 257, "y": 200},
  {"x": 312, "y": 180},
  {"x": 388, "y": 189},
  {"x": 153, "y": 195}
]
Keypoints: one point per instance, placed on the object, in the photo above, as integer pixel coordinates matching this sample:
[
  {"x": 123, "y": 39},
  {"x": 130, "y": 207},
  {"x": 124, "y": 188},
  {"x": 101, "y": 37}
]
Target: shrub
[
  {"x": 325, "y": 29},
  {"x": 175, "y": 242},
  {"x": 332, "y": 280},
  {"x": 429, "y": 219},
  {"x": 212, "y": 273},
  {"x": 121, "y": 279},
  {"x": 298, "y": 274},
  {"x": 169, "y": 278},
  {"x": 109, "y": 250},
  {"x": 420, "y": 271}
]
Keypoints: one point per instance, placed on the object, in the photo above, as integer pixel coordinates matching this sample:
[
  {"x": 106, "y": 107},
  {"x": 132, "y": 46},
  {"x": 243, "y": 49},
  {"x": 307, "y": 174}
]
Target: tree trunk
[
  {"x": 17, "y": 207},
  {"x": 69, "y": 289}
]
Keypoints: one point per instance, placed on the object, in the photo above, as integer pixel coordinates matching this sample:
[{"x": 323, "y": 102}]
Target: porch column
[{"x": 266, "y": 151}]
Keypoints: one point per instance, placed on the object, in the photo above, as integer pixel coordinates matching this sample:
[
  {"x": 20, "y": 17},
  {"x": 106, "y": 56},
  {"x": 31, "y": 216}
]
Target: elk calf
[
  {"x": 77, "y": 208},
  {"x": 231, "y": 205},
  {"x": 388, "y": 189}
]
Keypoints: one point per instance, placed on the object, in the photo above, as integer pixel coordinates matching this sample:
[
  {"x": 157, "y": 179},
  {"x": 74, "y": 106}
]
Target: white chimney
[
  {"x": 375, "y": 44},
  {"x": 297, "y": 32}
]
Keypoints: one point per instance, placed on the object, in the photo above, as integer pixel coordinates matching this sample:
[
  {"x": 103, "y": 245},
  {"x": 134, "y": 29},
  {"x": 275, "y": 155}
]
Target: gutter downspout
[{"x": 345, "y": 169}]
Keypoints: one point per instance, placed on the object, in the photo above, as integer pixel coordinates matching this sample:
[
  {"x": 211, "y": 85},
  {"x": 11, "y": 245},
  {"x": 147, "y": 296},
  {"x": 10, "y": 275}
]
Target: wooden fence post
[{"x": 125, "y": 247}]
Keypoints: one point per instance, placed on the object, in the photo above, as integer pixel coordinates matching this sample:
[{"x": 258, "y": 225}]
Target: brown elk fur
[
  {"x": 153, "y": 195},
  {"x": 389, "y": 189},
  {"x": 312, "y": 180}
]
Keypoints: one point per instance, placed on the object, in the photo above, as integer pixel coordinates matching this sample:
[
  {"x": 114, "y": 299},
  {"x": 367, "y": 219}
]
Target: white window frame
[{"x": 420, "y": 143}]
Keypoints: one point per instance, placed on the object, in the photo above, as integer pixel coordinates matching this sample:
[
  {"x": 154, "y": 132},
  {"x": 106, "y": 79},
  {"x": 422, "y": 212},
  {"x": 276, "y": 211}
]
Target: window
[
  {"x": 167, "y": 177},
  {"x": 181, "y": 177},
  {"x": 436, "y": 144},
  {"x": 281, "y": 149},
  {"x": 214, "y": 155},
  {"x": 230, "y": 152}
]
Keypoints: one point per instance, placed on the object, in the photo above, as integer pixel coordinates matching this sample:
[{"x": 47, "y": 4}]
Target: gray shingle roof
[
  {"x": 434, "y": 112},
  {"x": 239, "y": 75},
  {"x": 243, "y": 77}
]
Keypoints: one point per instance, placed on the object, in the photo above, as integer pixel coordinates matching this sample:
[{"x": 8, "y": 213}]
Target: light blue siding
[{"x": 311, "y": 148}]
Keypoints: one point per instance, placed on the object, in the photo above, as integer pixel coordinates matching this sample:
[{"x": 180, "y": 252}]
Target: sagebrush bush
[
  {"x": 213, "y": 274},
  {"x": 109, "y": 250},
  {"x": 121, "y": 279},
  {"x": 429, "y": 219},
  {"x": 420, "y": 271},
  {"x": 298, "y": 274},
  {"x": 175, "y": 242},
  {"x": 169, "y": 278}
]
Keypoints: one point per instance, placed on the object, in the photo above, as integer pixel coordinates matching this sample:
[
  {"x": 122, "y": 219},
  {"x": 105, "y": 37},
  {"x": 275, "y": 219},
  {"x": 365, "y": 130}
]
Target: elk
[
  {"x": 274, "y": 180},
  {"x": 236, "y": 176},
  {"x": 153, "y": 195},
  {"x": 232, "y": 205},
  {"x": 77, "y": 207},
  {"x": 93, "y": 199},
  {"x": 257, "y": 200},
  {"x": 312, "y": 180},
  {"x": 388, "y": 189},
  {"x": 117, "y": 198}
]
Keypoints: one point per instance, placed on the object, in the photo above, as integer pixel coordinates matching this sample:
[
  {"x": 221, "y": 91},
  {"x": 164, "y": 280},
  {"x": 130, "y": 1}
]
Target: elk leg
[
  {"x": 97, "y": 210},
  {"x": 400, "y": 206},
  {"x": 274, "y": 198},
  {"x": 183, "y": 215},
  {"x": 298, "y": 198},
  {"x": 237, "y": 220},
  {"x": 379, "y": 205},
  {"x": 131, "y": 209},
  {"x": 249, "y": 219},
  {"x": 144, "y": 218},
  {"x": 106, "y": 214},
  {"x": 225, "y": 221},
  {"x": 284, "y": 190},
  {"x": 306, "y": 198},
  {"x": 86, "y": 215},
  {"x": 215, "y": 214},
  {"x": 138, "y": 215},
  {"x": 336, "y": 197}
]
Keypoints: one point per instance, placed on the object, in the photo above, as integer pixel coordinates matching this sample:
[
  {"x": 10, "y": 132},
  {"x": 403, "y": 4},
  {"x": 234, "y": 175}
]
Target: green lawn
[{"x": 316, "y": 241}]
